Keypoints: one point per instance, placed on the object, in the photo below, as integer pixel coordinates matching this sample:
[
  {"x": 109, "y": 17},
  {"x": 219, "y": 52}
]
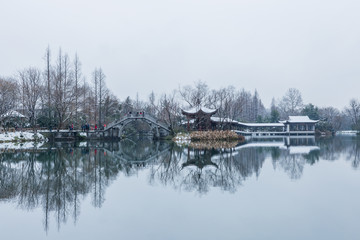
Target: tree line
[
  {"x": 245, "y": 106},
  {"x": 59, "y": 94}
]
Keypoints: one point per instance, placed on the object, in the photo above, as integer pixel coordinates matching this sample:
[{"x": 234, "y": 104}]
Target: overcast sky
[{"x": 145, "y": 45}]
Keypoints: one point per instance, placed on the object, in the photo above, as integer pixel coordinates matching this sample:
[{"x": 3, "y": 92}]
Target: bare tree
[
  {"x": 64, "y": 85},
  {"x": 48, "y": 80},
  {"x": 332, "y": 116},
  {"x": 221, "y": 100},
  {"x": 77, "y": 77},
  {"x": 152, "y": 107},
  {"x": 353, "y": 112},
  {"x": 9, "y": 94},
  {"x": 291, "y": 102},
  {"x": 31, "y": 84},
  {"x": 195, "y": 96},
  {"x": 237, "y": 106},
  {"x": 102, "y": 92},
  {"x": 87, "y": 102},
  {"x": 170, "y": 110},
  {"x": 96, "y": 83}
]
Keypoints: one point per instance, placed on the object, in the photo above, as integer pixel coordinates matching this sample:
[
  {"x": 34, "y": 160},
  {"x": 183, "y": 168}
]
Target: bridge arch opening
[
  {"x": 138, "y": 127},
  {"x": 139, "y": 123}
]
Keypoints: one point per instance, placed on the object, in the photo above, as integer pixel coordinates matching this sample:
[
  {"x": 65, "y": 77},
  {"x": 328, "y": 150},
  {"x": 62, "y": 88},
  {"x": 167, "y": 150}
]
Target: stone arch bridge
[{"x": 116, "y": 128}]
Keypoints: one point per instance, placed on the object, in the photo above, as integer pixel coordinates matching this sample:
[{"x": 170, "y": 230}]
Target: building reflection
[{"x": 57, "y": 178}]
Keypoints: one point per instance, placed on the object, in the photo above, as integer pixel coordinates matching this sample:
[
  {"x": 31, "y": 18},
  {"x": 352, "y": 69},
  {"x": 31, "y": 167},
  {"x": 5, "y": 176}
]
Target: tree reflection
[
  {"x": 200, "y": 169},
  {"x": 58, "y": 178},
  {"x": 354, "y": 154},
  {"x": 293, "y": 165},
  {"x": 348, "y": 146}
]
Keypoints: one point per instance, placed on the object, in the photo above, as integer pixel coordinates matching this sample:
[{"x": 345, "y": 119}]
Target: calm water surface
[{"x": 298, "y": 188}]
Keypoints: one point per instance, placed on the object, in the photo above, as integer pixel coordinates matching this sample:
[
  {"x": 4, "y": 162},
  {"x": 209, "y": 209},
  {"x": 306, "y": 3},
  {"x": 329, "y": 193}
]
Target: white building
[
  {"x": 299, "y": 125},
  {"x": 295, "y": 125}
]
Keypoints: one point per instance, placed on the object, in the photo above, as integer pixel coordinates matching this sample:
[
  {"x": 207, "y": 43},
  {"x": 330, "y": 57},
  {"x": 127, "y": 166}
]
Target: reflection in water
[{"x": 58, "y": 178}]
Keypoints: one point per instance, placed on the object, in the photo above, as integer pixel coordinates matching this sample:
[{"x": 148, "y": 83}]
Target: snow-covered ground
[
  {"x": 19, "y": 145},
  {"x": 21, "y": 136}
]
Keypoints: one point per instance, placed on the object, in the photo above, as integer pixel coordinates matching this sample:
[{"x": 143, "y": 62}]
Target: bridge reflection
[{"x": 55, "y": 178}]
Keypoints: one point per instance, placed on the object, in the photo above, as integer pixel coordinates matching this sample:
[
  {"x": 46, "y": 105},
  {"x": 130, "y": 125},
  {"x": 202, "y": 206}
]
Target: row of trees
[
  {"x": 244, "y": 106},
  {"x": 59, "y": 95}
]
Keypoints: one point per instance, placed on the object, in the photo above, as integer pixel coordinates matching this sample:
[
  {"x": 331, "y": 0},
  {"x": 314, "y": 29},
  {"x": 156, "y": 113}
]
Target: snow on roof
[
  {"x": 229, "y": 120},
  {"x": 12, "y": 113},
  {"x": 262, "y": 124},
  {"x": 300, "y": 119},
  {"x": 223, "y": 120},
  {"x": 197, "y": 109},
  {"x": 292, "y": 119}
]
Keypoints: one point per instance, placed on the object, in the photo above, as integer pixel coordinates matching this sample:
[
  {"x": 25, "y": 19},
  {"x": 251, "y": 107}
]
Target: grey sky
[{"x": 158, "y": 45}]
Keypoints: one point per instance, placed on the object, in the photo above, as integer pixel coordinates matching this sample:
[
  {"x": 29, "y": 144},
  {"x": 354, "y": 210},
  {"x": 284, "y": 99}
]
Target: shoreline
[
  {"x": 21, "y": 137},
  {"x": 218, "y": 135}
]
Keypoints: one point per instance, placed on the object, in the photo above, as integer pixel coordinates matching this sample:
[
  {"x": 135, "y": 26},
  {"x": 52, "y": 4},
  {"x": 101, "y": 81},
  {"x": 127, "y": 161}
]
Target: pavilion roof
[
  {"x": 299, "y": 119},
  {"x": 197, "y": 110}
]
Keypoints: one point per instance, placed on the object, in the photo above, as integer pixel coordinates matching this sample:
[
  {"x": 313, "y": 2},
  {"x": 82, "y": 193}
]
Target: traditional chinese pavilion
[
  {"x": 199, "y": 117},
  {"x": 300, "y": 125}
]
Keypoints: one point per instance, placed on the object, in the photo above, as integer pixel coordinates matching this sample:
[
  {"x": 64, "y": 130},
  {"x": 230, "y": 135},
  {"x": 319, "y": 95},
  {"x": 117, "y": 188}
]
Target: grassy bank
[
  {"x": 215, "y": 136},
  {"x": 209, "y": 139}
]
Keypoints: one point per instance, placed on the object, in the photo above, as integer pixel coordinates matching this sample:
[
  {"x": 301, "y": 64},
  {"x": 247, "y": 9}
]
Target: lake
[{"x": 281, "y": 188}]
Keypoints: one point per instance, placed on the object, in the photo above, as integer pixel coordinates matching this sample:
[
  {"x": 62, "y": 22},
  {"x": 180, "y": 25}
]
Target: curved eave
[{"x": 200, "y": 111}]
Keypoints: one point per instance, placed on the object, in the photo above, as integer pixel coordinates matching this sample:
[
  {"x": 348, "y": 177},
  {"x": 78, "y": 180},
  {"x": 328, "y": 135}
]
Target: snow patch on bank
[
  {"x": 21, "y": 136},
  {"x": 182, "y": 138}
]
